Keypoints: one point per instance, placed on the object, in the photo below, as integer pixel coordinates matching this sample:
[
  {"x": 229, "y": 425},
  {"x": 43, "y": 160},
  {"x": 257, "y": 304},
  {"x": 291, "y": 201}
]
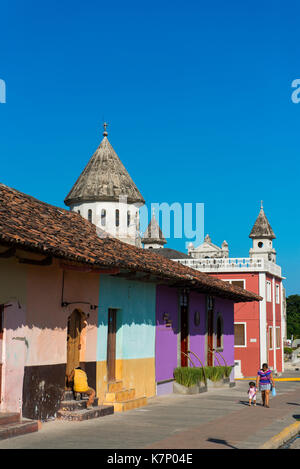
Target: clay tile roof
[
  {"x": 35, "y": 226},
  {"x": 104, "y": 179},
  {"x": 262, "y": 227}
]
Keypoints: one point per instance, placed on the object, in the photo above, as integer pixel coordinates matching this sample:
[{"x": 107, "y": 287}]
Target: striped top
[{"x": 264, "y": 376}]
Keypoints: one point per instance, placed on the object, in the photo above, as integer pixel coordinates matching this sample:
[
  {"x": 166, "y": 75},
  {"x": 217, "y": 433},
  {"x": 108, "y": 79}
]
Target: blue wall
[{"x": 135, "y": 302}]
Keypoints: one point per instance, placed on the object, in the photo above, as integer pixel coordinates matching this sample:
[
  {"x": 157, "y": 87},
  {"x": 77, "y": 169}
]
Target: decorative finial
[
  {"x": 261, "y": 204},
  {"x": 105, "y": 132}
]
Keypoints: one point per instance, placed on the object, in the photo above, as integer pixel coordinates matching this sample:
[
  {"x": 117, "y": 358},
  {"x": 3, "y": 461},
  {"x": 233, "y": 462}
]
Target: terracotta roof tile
[{"x": 36, "y": 226}]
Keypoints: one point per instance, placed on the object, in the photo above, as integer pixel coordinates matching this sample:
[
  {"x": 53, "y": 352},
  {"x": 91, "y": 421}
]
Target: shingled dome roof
[
  {"x": 262, "y": 228},
  {"x": 104, "y": 179},
  {"x": 153, "y": 233}
]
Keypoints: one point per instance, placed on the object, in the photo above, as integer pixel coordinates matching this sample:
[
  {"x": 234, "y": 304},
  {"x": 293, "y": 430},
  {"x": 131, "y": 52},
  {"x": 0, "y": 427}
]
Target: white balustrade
[{"x": 236, "y": 264}]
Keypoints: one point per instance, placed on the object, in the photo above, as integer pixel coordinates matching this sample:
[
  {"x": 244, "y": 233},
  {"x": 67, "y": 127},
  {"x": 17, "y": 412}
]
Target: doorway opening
[
  {"x": 76, "y": 324},
  {"x": 111, "y": 344},
  {"x": 184, "y": 327}
]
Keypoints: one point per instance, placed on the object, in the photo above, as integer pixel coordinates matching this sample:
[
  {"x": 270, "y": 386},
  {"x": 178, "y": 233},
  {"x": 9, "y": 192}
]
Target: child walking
[{"x": 252, "y": 393}]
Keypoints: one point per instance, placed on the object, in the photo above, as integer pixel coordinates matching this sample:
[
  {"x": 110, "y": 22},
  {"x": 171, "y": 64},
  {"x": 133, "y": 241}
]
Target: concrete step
[
  {"x": 85, "y": 414},
  {"x": 18, "y": 428},
  {"x": 119, "y": 396},
  {"x": 9, "y": 417},
  {"x": 76, "y": 405},
  {"x": 114, "y": 386},
  {"x": 128, "y": 405}
]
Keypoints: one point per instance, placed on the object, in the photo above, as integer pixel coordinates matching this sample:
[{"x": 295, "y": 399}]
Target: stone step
[
  {"x": 86, "y": 414},
  {"x": 128, "y": 405},
  {"x": 114, "y": 386},
  {"x": 68, "y": 396},
  {"x": 16, "y": 429},
  {"x": 119, "y": 396},
  {"x": 76, "y": 405},
  {"x": 9, "y": 417}
]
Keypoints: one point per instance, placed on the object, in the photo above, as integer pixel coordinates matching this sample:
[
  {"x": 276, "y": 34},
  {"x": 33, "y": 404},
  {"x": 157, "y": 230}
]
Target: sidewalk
[{"x": 219, "y": 419}]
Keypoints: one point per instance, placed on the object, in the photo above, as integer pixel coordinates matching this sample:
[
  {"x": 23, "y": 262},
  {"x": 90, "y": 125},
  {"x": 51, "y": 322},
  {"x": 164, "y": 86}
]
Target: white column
[
  {"x": 274, "y": 322},
  {"x": 262, "y": 319},
  {"x": 282, "y": 324}
]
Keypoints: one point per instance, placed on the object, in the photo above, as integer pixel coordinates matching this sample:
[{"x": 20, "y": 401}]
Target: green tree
[{"x": 293, "y": 316}]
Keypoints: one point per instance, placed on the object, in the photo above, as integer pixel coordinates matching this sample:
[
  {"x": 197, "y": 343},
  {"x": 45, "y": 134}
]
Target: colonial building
[
  {"x": 260, "y": 328},
  {"x": 208, "y": 250}
]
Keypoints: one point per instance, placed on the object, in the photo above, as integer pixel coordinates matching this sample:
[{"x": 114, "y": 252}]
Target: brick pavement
[
  {"x": 235, "y": 429},
  {"x": 218, "y": 419}
]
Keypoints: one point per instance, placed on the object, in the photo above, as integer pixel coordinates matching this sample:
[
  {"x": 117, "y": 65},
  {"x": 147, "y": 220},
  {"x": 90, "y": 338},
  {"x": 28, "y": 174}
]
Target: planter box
[
  {"x": 195, "y": 389},
  {"x": 222, "y": 383}
]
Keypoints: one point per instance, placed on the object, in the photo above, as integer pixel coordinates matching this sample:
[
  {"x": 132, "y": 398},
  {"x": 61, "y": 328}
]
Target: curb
[{"x": 285, "y": 435}]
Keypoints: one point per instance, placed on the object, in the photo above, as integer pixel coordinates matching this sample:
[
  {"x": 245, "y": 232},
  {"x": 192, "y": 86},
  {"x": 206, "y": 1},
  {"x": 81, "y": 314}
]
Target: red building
[{"x": 260, "y": 327}]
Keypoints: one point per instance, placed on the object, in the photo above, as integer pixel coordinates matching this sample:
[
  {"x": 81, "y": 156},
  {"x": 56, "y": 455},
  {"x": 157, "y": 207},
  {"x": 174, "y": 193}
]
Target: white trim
[
  {"x": 245, "y": 334},
  {"x": 277, "y": 293},
  {"x": 262, "y": 319},
  {"x": 271, "y": 327},
  {"x": 269, "y": 291},
  {"x": 274, "y": 324},
  {"x": 283, "y": 325},
  {"x": 277, "y": 327}
]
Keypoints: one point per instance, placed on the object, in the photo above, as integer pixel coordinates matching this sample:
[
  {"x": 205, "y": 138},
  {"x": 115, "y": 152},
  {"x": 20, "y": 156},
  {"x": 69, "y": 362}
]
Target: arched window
[
  {"x": 219, "y": 331},
  {"x": 103, "y": 217},
  {"x": 117, "y": 217},
  {"x": 90, "y": 215},
  {"x": 128, "y": 218}
]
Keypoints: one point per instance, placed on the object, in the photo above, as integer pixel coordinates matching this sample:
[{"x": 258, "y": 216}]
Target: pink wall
[{"x": 35, "y": 326}]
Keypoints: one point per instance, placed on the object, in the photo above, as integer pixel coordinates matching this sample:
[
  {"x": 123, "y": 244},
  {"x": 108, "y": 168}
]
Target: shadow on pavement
[
  {"x": 220, "y": 442},
  {"x": 246, "y": 403}
]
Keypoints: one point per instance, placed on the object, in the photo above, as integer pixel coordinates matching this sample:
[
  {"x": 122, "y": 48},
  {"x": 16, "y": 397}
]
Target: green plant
[{"x": 189, "y": 376}]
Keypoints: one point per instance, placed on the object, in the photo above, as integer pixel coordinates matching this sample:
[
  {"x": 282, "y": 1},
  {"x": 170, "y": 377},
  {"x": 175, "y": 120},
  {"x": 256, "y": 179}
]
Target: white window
[
  {"x": 269, "y": 294},
  {"x": 277, "y": 294},
  {"x": 103, "y": 217},
  {"x": 240, "y": 334}
]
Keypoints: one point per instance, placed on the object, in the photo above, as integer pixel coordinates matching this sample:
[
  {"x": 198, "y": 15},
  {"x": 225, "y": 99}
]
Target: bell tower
[
  {"x": 262, "y": 237},
  {"x": 106, "y": 195}
]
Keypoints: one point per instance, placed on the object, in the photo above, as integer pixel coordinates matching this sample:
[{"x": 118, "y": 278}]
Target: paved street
[{"x": 219, "y": 419}]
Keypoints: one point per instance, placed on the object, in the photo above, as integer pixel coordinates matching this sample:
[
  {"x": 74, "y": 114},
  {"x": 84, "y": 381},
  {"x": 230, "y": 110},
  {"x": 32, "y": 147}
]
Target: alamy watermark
[
  {"x": 2, "y": 92},
  {"x": 176, "y": 220},
  {"x": 295, "y": 94}
]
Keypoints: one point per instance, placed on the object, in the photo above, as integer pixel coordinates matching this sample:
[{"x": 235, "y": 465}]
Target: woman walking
[{"x": 264, "y": 380}]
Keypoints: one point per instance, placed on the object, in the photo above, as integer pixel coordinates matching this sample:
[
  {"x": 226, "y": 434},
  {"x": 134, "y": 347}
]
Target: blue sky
[{"x": 197, "y": 95}]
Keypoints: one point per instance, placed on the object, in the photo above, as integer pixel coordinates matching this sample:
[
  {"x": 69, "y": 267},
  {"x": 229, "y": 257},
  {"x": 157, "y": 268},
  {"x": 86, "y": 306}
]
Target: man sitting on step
[{"x": 80, "y": 384}]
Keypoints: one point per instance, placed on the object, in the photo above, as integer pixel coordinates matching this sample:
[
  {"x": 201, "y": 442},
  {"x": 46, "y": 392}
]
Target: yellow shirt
[{"x": 80, "y": 381}]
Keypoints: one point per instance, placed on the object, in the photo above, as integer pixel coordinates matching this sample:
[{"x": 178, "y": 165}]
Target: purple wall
[
  {"x": 197, "y": 303},
  {"x": 166, "y": 337},
  {"x": 166, "y": 342}
]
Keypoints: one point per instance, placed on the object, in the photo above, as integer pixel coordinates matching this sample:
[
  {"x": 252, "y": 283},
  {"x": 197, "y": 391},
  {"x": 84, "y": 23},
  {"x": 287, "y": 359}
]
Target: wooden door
[
  {"x": 73, "y": 341},
  {"x": 210, "y": 337},
  {"x": 184, "y": 335},
  {"x": 111, "y": 345}
]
